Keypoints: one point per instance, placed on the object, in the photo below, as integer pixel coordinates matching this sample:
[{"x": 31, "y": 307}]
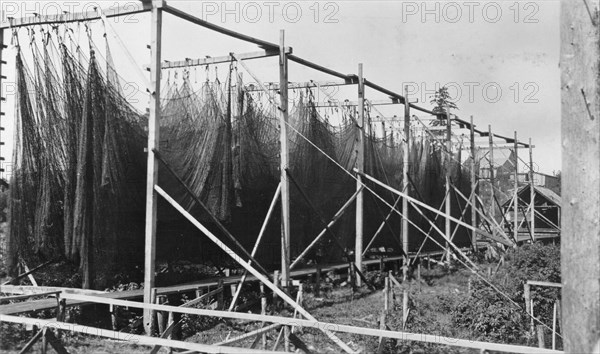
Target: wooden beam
[
  {"x": 335, "y": 218},
  {"x": 274, "y": 86},
  {"x": 284, "y": 163},
  {"x": 249, "y": 334},
  {"x": 198, "y": 21},
  {"x": 130, "y": 8},
  {"x": 392, "y": 94},
  {"x": 491, "y": 179},
  {"x": 152, "y": 164},
  {"x": 473, "y": 187},
  {"x": 256, "y": 244},
  {"x": 405, "y": 187},
  {"x": 248, "y": 267},
  {"x": 28, "y": 289},
  {"x": 310, "y": 323},
  {"x": 544, "y": 283},
  {"x": 421, "y": 204},
  {"x": 532, "y": 191},
  {"x": 27, "y": 271},
  {"x": 132, "y": 338},
  {"x": 271, "y": 52},
  {"x": 448, "y": 205},
  {"x": 351, "y": 79},
  {"x": 499, "y": 147},
  {"x": 27, "y": 296},
  {"x": 360, "y": 165},
  {"x": 516, "y": 193}
]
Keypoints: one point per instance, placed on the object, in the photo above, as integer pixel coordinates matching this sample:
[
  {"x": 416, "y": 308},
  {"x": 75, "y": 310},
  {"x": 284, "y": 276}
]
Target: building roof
[
  {"x": 549, "y": 194},
  {"x": 543, "y": 191}
]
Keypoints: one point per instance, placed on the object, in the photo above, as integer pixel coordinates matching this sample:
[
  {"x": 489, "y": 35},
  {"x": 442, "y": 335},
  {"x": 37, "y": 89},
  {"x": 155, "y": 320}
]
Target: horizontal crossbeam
[
  {"x": 223, "y": 59},
  {"x": 130, "y": 8}
]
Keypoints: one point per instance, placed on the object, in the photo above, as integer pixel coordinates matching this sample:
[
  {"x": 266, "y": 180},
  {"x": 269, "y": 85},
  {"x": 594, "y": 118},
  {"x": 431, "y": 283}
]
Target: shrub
[{"x": 491, "y": 316}]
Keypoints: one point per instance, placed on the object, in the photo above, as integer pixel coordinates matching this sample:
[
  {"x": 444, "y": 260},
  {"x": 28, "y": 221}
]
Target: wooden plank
[
  {"x": 448, "y": 204},
  {"x": 311, "y": 323},
  {"x": 405, "y": 166},
  {"x": 127, "y": 337},
  {"x": 130, "y": 8},
  {"x": 27, "y": 271},
  {"x": 532, "y": 191},
  {"x": 335, "y": 218},
  {"x": 544, "y": 283},
  {"x": 198, "y": 21},
  {"x": 395, "y": 95},
  {"x": 360, "y": 165},
  {"x": 27, "y": 296},
  {"x": 491, "y": 180},
  {"x": 152, "y": 164},
  {"x": 248, "y": 267},
  {"x": 284, "y": 163},
  {"x": 38, "y": 305},
  {"x": 32, "y": 342},
  {"x": 28, "y": 289},
  {"x": 419, "y": 203},
  {"x": 249, "y": 334},
  {"x": 271, "y": 52},
  {"x": 516, "y": 192},
  {"x": 351, "y": 79},
  {"x": 274, "y": 86},
  {"x": 473, "y": 187},
  {"x": 256, "y": 244}
]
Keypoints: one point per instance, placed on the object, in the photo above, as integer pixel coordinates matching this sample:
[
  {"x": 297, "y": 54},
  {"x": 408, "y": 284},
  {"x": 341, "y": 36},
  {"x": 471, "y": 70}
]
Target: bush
[{"x": 491, "y": 316}]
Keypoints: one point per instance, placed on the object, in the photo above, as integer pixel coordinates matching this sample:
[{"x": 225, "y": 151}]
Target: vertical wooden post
[
  {"x": 161, "y": 316},
  {"x": 2, "y": 77},
  {"x": 220, "y": 295},
  {"x": 276, "y": 283},
  {"x": 527, "y": 297},
  {"x": 532, "y": 316},
  {"x": 404, "y": 308},
  {"x": 284, "y": 162},
  {"x": 405, "y": 167},
  {"x": 532, "y": 194},
  {"x": 580, "y": 244},
  {"x": 554, "y": 313},
  {"x": 516, "y": 195},
  {"x": 448, "y": 210},
  {"x": 492, "y": 193},
  {"x": 113, "y": 317},
  {"x": 263, "y": 311},
  {"x": 152, "y": 169},
  {"x": 318, "y": 280},
  {"x": 386, "y": 293},
  {"x": 153, "y": 326},
  {"x": 473, "y": 188},
  {"x": 540, "y": 336},
  {"x": 360, "y": 165}
]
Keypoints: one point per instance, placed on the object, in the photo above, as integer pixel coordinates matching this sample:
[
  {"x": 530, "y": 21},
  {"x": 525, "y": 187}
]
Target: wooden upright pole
[
  {"x": 284, "y": 162},
  {"x": 532, "y": 187},
  {"x": 405, "y": 166},
  {"x": 360, "y": 165},
  {"x": 473, "y": 188},
  {"x": 152, "y": 169},
  {"x": 516, "y": 194},
  {"x": 492, "y": 194},
  {"x": 448, "y": 210},
  {"x": 580, "y": 243}
]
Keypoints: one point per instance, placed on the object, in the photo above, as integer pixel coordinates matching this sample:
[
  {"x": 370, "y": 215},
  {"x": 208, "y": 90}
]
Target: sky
[{"x": 499, "y": 59}]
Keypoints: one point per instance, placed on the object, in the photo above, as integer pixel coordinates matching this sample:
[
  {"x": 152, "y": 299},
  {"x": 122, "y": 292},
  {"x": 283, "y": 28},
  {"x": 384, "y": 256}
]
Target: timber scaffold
[{"x": 286, "y": 278}]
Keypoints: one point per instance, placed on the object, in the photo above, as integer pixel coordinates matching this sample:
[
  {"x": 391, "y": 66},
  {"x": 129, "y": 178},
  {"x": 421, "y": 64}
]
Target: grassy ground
[
  {"x": 448, "y": 302},
  {"x": 431, "y": 303}
]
